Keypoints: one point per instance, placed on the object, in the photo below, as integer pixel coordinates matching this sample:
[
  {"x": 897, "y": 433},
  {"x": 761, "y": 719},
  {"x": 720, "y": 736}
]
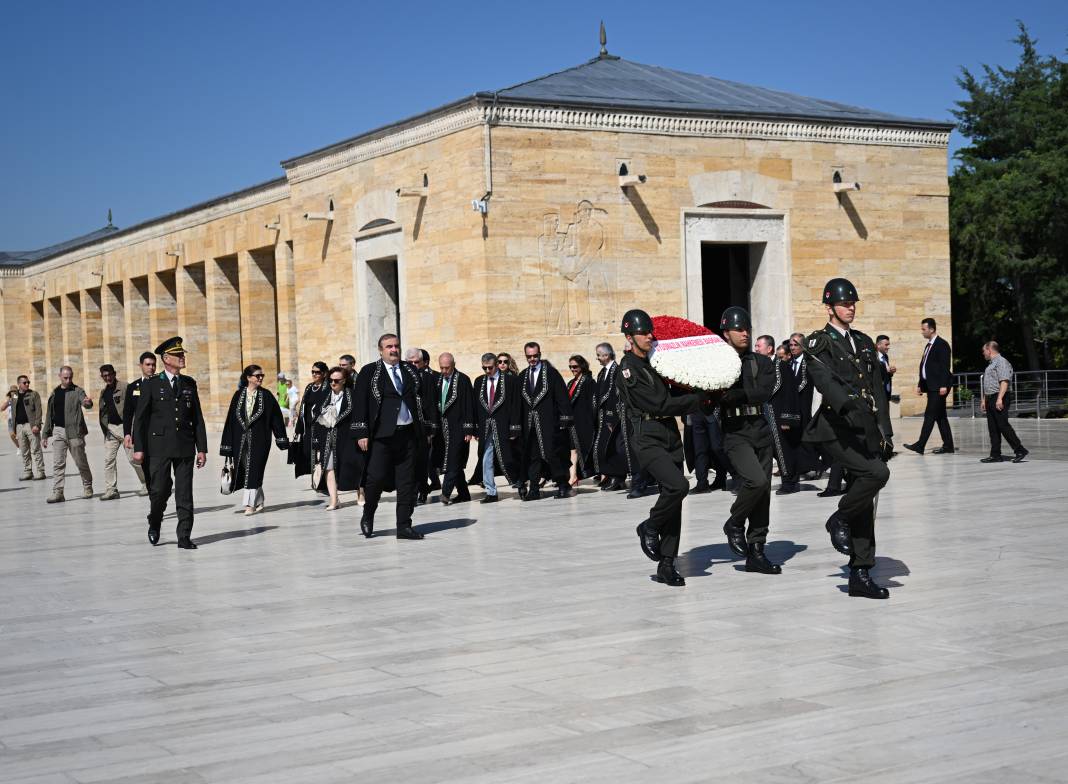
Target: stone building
[{"x": 541, "y": 211}]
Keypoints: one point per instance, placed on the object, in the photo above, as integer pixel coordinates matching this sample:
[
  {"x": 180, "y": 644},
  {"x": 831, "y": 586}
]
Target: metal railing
[{"x": 1032, "y": 393}]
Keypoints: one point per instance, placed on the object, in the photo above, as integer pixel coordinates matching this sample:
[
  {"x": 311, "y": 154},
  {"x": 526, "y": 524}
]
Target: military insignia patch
[
  {"x": 626, "y": 372},
  {"x": 811, "y": 342},
  {"x": 137, "y": 392}
]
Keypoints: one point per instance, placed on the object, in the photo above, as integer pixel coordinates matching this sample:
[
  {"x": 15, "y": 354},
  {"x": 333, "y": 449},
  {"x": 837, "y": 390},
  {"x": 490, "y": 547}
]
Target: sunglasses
[
  {"x": 488, "y": 368},
  {"x": 337, "y": 381},
  {"x": 317, "y": 372},
  {"x": 257, "y": 375},
  {"x": 573, "y": 367},
  {"x": 502, "y": 361},
  {"x": 532, "y": 357}
]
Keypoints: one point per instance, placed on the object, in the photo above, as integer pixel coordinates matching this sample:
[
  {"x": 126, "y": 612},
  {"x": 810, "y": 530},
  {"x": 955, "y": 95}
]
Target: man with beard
[
  {"x": 456, "y": 411},
  {"x": 392, "y": 423},
  {"x": 546, "y": 417},
  {"x": 500, "y": 422},
  {"x": 749, "y": 441},
  {"x": 611, "y": 452},
  {"x": 853, "y": 427}
]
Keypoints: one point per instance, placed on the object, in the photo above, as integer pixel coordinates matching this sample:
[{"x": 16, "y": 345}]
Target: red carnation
[{"x": 672, "y": 327}]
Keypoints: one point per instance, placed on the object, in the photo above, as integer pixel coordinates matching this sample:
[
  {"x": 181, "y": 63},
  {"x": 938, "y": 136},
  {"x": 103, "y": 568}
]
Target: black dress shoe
[
  {"x": 153, "y": 535},
  {"x": 367, "y": 527},
  {"x": 993, "y": 459},
  {"x": 735, "y": 538},
  {"x": 757, "y": 561},
  {"x": 831, "y": 492},
  {"x": 563, "y": 491},
  {"x": 786, "y": 488},
  {"x": 522, "y": 490},
  {"x": 943, "y": 451},
  {"x": 650, "y": 542},
  {"x": 914, "y": 448},
  {"x": 861, "y": 584},
  {"x": 421, "y": 498},
  {"x": 490, "y": 499},
  {"x": 839, "y": 531},
  {"x": 445, "y": 500},
  {"x": 462, "y": 498},
  {"x": 1019, "y": 456},
  {"x": 408, "y": 533},
  {"x": 532, "y": 495},
  {"x": 720, "y": 483},
  {"x": 667, "y": 574},
  {"x": 701, "y": 488},
  {"x": 635, "y": 493},
  {"x": 614, "y": 486},
  {"x": 185, "y": 543}
]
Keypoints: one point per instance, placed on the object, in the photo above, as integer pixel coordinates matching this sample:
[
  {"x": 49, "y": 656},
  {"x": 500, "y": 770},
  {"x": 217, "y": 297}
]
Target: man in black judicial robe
[
  {"x": 455, "y": 399},
  {"x": 546, "y": 418},
  {"x": 392, "y": 423},
  {"x": 426, "y": 476},
  {"x": 499, "y": 407}
]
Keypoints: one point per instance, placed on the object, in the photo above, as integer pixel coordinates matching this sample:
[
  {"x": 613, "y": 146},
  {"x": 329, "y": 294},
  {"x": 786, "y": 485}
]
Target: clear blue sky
[{"x": 148, "y": 107}]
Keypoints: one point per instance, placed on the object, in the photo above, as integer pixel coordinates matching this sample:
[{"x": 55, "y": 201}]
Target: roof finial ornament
[
  {"x": 109, "y": 216},
  {"x": 604, "y": 41}
]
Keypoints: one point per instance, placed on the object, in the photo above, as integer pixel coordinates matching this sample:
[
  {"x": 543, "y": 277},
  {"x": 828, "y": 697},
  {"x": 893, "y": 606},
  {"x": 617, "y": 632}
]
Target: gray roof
[
  {"x": 15, "y": 258},
  {"x": 613, "y": 82}
]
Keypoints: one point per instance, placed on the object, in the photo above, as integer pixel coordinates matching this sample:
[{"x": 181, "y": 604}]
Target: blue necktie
[{"x": 397, "y": 381}]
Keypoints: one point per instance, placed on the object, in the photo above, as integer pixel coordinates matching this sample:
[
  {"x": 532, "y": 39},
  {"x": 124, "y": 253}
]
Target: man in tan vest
[
  {"x": 25, "y": 405},
  {"x": 112, "y": 405}
]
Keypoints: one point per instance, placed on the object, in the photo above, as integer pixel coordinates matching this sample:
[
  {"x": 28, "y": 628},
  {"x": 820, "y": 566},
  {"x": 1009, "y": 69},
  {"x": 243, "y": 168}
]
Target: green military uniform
[
  {"x": 845, "y": 369},
  {"x": 651, "y": 408},
  {"x": 169, "y": 429}
]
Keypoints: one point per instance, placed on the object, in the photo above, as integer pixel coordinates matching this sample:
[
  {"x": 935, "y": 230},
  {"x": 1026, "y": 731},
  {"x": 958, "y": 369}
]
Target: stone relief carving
[{"x": 578, "y": 283}]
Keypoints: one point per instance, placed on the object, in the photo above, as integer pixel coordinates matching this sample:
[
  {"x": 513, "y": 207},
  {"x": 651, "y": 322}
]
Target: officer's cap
[
  {"x": 170, "y": 346},
  {"x": 635, "y": 322}
]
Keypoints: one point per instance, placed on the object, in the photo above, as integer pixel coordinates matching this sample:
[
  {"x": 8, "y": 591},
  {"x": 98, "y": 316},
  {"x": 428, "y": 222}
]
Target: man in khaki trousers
[
  {"x": 25, "y": 405},
  {"x": 64, "y": 417},
  {"x": 112, "y": 404}
]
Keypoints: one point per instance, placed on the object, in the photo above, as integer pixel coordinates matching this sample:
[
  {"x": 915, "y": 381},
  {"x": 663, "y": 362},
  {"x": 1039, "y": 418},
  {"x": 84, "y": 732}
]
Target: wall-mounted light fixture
[
  {"x": 628, "y": 180},
  {"x": 419, "y": 193},
  {"x": 842, "y": 187},
  {"x": 327, "y": 215},
  {"x": 275, "y": 225}
]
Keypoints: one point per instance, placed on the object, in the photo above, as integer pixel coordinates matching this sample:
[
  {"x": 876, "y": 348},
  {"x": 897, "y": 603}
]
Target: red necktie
[{"x": 493, "y": 393}]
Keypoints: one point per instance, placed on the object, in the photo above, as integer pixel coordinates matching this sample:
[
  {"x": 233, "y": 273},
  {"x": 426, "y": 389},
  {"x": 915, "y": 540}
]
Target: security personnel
[
  {"x": 852, "y": 425},
  {"x": 651, "y": 408},
  {"x": 133, "y": 393},
  {"x": 169, "y": 428},
  {"x": 749, "y": 443}
]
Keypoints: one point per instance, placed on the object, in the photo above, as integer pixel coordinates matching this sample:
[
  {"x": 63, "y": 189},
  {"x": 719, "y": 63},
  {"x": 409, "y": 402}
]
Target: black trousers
[
  {"x": 708, "y": 449},
  {"x": 997, "y": 423},
  {"x": 392, "y": 462},
  {"x": 452, "y": 478},
  {"x": 834, "y": 480},
  {"x": 868, "y": 475},
  {"x": 752, "y": 465},
  {"x": 536, "y": 465},
  {"x": 666, "y": 515},
  {"x": 160, "y": 485},
  {"x": 792, "y": 454},
  {"x": 935, "y": 413}
]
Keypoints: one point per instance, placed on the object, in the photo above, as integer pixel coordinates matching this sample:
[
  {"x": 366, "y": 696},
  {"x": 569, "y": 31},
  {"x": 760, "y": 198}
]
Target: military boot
[
  {"x": 861, "y": 584},
  {"x": 735, "y": 538},
  {"x": 667, "y": 574},
  {"x": 757, "y": 561}
]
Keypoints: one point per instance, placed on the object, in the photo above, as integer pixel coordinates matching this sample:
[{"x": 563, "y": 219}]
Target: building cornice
[{"x": 186, "y": 219}]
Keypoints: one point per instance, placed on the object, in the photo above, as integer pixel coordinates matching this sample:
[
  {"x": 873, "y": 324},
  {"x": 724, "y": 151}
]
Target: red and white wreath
[{"x": 691, "y": 355}]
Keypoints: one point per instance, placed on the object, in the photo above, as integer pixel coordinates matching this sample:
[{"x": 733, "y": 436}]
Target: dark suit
[
  {"x": 546, "y": 417},
  {"x": 168, "y": 428},
  {"x": 392, "y": 448},
  {"x": 133, "y": 397},
  {"x": 934, "y": 375},
  {"x": 457, "y": 419}
]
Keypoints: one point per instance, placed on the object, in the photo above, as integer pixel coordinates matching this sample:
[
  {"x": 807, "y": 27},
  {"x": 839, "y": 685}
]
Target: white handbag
[{"x": 226, "y": 477}]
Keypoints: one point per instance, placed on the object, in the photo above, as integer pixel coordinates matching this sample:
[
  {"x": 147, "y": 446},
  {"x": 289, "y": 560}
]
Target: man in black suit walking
[
  {"x": 391, "y": 422},
  {"x": 936, "y": 380},
  {"x": 168, "y": 429}
]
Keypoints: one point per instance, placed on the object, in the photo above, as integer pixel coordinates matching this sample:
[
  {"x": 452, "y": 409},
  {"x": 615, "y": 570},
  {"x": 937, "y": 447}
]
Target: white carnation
[{"x": 702, "y": 362}]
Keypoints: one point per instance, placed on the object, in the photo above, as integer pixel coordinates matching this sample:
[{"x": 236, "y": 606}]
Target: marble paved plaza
[{"x": 527, "y": 642}]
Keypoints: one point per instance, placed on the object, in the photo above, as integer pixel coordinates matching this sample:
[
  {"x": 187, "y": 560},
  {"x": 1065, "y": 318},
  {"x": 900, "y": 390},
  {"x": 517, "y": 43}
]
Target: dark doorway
[
  {"x": 383, "y": 297},
  {"x": 725, "y": 279}
]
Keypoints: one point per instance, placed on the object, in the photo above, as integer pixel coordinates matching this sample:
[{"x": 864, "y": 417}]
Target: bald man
[{"x": 455, "y": 399}]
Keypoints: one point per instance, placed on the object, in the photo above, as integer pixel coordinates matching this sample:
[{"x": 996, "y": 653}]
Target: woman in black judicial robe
[
  {"x": 581, "y": 390},
  {"x": 253, "y": 418},
  {"x": 338, "y": 461},
  {"x": 310, "y": 404}
]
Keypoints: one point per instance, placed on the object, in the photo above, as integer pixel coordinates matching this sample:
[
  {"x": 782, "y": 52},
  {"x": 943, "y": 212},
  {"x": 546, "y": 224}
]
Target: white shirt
[
  {"x": 170, "y": 378},
  {"x": 335, "y": 401},
  {"x": 926, "y": 353},
  {"x": 846, "y": 333},
  {"x": 534, "y": 371},
  {"x": 404, "y": 416}
]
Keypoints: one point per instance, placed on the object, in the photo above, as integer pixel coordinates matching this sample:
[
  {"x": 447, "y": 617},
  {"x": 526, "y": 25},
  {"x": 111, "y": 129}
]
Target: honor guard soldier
[
  {"x": 651, "y": 408},
  {"x": 852, "y": 425},
  {"x": 168, "y": 428},
  {"x": 749, "y": 443}
]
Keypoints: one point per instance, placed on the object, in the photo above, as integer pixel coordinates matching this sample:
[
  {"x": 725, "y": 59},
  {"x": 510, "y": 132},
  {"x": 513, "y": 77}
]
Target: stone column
[
  {"x": 259, "y": 323},
  {"x": 53, "y": 324},
  {"x": 135, "y": 297},
  {"x": 192, "y": 309},
  {"x": 286, "y": 306},
  {"x": 162, "y": 305},
  {"x": 113, "y": 331},
  {"x": 93, "y": 353},
  {"x": 223, "y": 298},
  {"x": 72, "y": 337}
]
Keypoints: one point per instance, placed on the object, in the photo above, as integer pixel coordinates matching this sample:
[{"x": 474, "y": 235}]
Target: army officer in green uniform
[
  {"x": 651, "y": 408},
  {"x": 749, "y": 443},
  {"x": 852, "y": 425},
  {"x": 169, "y": 429}
]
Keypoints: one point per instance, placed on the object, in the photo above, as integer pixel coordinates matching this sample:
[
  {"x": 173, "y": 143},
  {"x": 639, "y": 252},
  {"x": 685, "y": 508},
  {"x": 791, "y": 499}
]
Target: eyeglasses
[
  {"x": 533, "y": 357},
  {"x": 502, "y": 361},
  {"x": 317, "y": 372},
  {"x": 488, "y": 368},
  {"x": 573, "y": 367},
  {"x": 257, "y": 375},
  {"x": 24, "y": 383},
  {"x": 337, "y": 381}
]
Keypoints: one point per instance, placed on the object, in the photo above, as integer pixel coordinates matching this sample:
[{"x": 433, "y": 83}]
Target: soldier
[
  {"x": 169, "y": 429},
  {"x": 749, "y": 442},
  {"x": 651, "y": 407},
  {"x": 147, "y": 362},
  {"x": 852, "y": 425}
]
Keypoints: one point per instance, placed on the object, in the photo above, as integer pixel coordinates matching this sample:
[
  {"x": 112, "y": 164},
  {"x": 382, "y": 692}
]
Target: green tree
[{"x": 1008, "y": 210}]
